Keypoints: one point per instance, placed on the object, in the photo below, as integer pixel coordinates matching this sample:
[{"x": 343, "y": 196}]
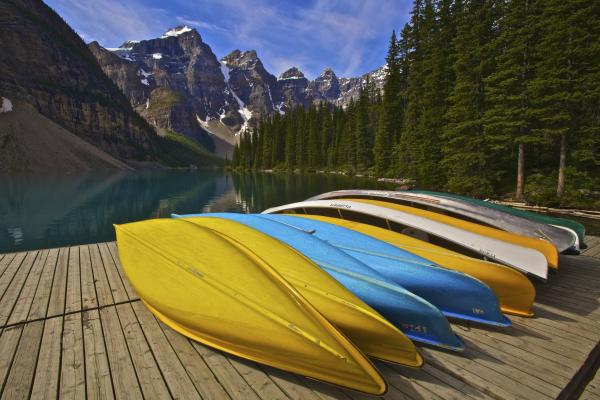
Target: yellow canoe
[
  {"x": 514, "y": 291},
  {"x": 217, "y": 292},
  {"x": 546, "y": 248},
  {"x": 365, "y": 327}
]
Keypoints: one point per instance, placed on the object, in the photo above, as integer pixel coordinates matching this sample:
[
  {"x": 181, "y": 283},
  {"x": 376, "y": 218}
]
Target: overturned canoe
[
  {"x": 417, "y": 318},
  {"x": 216, "y": 292},
  {"x": 546, "y": 248},
  {"x": 450, "y": 212},
  {"x": 364, "y": 326},
  {"x": 523, "y": 222},
  {"x": 455, "y": 294},
  {"x": 468, "y": 243},
  {"x": 515, "y": 292}
]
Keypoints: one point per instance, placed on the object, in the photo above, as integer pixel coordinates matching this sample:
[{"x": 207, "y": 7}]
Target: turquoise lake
[{"x": 53, "y": 211}]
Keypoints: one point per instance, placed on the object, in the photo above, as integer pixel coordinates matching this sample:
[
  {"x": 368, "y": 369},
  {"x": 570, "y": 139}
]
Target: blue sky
[{"x": 350, "y": 36}]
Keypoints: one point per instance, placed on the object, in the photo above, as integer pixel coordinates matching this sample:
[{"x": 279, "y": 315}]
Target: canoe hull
[
  {"x": 523, "y": 259},
  {"x": 215, "y": 300},
  {"x": 414, "y": 316},
  {"x": 364, "y": 326},
  {"x": 455, "y": 294},
  {"x": 515, "y": 292}
]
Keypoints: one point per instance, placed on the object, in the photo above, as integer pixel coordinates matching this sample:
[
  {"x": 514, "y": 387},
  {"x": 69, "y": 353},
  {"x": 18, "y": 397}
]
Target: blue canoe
[
  {"x": 456, "y": 294},
  {"x": 417, "y": 318}
]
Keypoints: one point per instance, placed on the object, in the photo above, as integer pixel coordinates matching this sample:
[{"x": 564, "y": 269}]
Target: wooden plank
[
  {"x": 260, "y": 382},
  {"x": 5, "y": 262},
  {"x": 225, "y": 373},
  {"x": 477, "y": 370},
  {"x": 539, "y": 372},
  {"x": 593, "y": 251},
  {"x": 19, "y": 295},
  {"x": 114, "y": 279},
  {"x": 10, "y": 271},
  {"x": 23, "y": 304},
  {"x": 547, "y": 340},
  {"x": 47, "y": 373},
  {"x": 112, "y": 247},
  {"x": 293, "y": 386},
  {"x": 149, "y": 376},
  {"x": 555, "y": 334},
  {"x": 72, "y": 371},
  {"x": 179, "y": 383},
  {"x": 540, "y": 348},
  {"x": 434, "y": 384},
  {"x": 20, "y": 377},
  {"x": 453, "y": 382},
  {"x": 39, "y": 307},
  {"x": 550, "y": 316},
  {"x": 88, "y": 288},
  {"x": 73, "y": 291},
  {"x": 124, "y": 377},
  {"x": 406, "y": 386},
  {"x": 97, "y": 370},
  {"x": 325, "y": 391},
  {"x": 103, "y": 292},
  {"x": 201, "y": 375},
  {"x": 59, "y": 284},
  {"x": 9, "y": 340}
]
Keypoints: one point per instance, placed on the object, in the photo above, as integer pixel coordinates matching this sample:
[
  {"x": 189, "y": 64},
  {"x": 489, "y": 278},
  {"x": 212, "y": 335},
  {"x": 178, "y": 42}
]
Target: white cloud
[
  {"x": 343, "y": 30},
  {"x": 111, "y": 22},
  {"x": 199, "y": 24},
  {"x": 348, "y": 35}
]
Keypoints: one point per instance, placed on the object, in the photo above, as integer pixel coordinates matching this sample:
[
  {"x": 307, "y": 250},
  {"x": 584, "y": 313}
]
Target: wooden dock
[{"x": 72, "y": 327}]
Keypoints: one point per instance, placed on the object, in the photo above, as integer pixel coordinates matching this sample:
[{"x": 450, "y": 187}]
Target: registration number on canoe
[{"x": 415, "y": 328}]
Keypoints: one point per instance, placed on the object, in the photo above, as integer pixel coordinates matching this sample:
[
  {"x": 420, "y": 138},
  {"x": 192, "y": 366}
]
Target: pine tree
[
  {"x": 508, "y": 122},
  {"x": 326, "y": 132},
  {"x": 361, "y": 130},
  {"x": 290, "y": 140},
  {"x": 389, "y": 129},
  {"x": 465, "y": 150},
  {"x": 312, "y": 145},
  {"x": 565, "y": 87},
  {"x": 301, "y": 137}
]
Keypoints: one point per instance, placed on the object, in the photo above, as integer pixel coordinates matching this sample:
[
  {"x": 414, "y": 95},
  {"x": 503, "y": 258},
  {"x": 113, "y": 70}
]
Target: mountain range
[
  {"x": 177, "y": 83},
  {"x": 169, "y": 101}
]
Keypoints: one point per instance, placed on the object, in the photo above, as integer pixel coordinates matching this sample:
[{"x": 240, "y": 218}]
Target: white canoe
[
  {"x": 526, "y": 260},
  {"x": 464, "y": 210}
]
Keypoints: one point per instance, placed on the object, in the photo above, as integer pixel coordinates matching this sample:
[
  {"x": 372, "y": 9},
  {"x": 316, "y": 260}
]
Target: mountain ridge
[{"x": 237, "y": 92}]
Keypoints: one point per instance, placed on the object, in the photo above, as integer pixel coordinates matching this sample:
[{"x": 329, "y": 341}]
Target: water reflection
[{"x": 52, "y": 211}]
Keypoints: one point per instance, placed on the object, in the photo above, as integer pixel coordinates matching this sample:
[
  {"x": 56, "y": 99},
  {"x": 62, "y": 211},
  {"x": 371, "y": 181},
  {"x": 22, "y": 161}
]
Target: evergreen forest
[{"x": 486, "y": 98}]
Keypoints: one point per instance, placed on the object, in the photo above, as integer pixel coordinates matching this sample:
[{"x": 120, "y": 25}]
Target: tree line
[{"x": 481, "y": 97}]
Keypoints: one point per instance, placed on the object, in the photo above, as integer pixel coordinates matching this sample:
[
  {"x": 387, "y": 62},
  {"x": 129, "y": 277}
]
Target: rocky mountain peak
[
  {"x": 242, "y": 59},
  {"x": 327, "y": 72},
  {"x": 129, "y": 44},
  {"x": 326, "y": 86},
  {"x": 292, "y": 73}
]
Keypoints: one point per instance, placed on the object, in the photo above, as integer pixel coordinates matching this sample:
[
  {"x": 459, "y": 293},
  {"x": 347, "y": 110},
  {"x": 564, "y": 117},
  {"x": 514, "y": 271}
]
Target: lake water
[{"x": 53, "y": 211}]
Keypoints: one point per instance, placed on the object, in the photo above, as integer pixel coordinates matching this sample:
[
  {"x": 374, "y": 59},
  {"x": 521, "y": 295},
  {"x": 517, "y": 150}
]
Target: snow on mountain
[
  {"x": 179, "y": 72},
  {"x": 178, "y": 30}
]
